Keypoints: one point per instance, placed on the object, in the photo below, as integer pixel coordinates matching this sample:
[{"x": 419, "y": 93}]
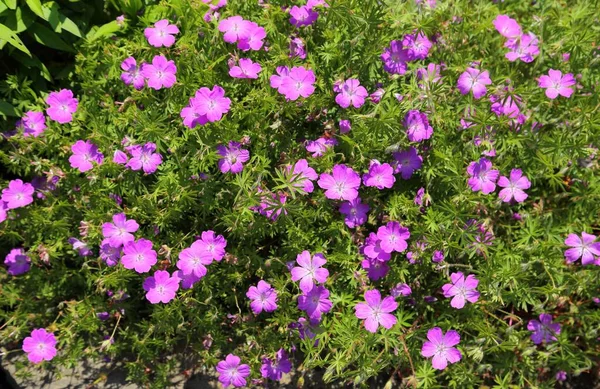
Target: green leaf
[
  {"x": 19, "y": 20},
  {"x": 36, "y": 7},
  {"x": 33, "y": 62},
  {"x": 68, "y": 25},
  {"x": 7, "y": 109},
  {"x": 49, "y": 38},
  {"x": 105, "y": 30},
  {"x": 12, "y": 4},
  {"x": 11, "y": 37},
  {"x": 51, "y": 15}
]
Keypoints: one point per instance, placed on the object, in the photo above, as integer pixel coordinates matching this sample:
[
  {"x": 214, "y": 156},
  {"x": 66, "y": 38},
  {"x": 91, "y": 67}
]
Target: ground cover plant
[{"x": 368, "y": 189}]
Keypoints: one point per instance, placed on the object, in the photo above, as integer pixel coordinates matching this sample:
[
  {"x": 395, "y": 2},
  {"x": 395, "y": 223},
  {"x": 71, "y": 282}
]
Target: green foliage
[{"x": 522, "y": 273}]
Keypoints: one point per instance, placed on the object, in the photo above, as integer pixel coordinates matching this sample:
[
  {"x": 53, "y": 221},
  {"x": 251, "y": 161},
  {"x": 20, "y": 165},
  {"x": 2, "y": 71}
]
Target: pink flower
[
  {"x": 514, "y": 187},
  {"x": 583, "y": 248},
  {"x": 507, "y": 27},
  {"x": 212, "y": 103},
  {"x": 33, "y": 124},
  {"x": 299, "y": 82},
  {"x": 120, "y": 157},
  {"x": 461, "y": 289},
  {"x": 161, "y": 34},
  {"x": 120, "y": 231},
  {"x": 84, "y": 153},
  {"x": 380, "y": 176},
  {"x": 474, "y": 80},
  {"x": 132, "y": 74},
  {"x": 235, "y": 29},
  {"x": 62, "y": 106},
  {"x": 557, "y": 84},
  {"x": 187, "y": 281},
  {"x": 303, "y": 175},
  {"x": 18, "y": 194},
  {"x": 395, "y": 58},
  {"x": 194, "y": 259},
  {"x": 191, "y": 115},
  {"x": 393, "y": 237},
  {"x": 483, "y": 178},
  {"x": 320, "y": 146},
  {"x": 277, "y": 79},
  {"x": 342, "y": 184},
  {"x": 161, "y": 287},
  {"x": 315, "y": 303},
  {"x": 212, "y": 246},
  {"x": 417, "y": 46},
  {"x": 18, "y": 262},
  {"x": 232, "y": 157},
  {"x": 40, "y": 346},
  {"x": 231, "y": 372},
  {"x": 345, "y": 126},
  {"x": 417, "y": 126},
  {"x": 440, "y": 347},
  {"x": 254, "y": 38},
  {"x": 376, "y": 312},
  {"x": 303, "y": 16},
  {"x": 245, "y": 69},
  {"x": 263, "y": 296},
  {"x": 138, "y": 255},
  {"x": 376, "y": 269},
  {"x": 524, "y": 48},
  {"x": 310, "y": 270},
  {"x": 144, "y": 157},
  {"x": 351, "y": 93},
  {"x": 372, "y": 248},
  {"x": 161, "y": 73}
]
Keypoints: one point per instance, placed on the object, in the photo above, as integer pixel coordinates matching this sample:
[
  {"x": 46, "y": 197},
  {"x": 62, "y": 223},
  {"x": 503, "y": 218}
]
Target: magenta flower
[
  {"x": 380, "y": 176},
  {"x": 505, "y": 105},
  {"x": 161, "y": 73},
  {"x": 82, "y": 248},
  {"x": 62, "y": 106},
  {"x": 393, "y": 237},
  {"x": 132, "y": 75},
  {"x": 320, "y": 146},
  {"x": 345, "y": 126},
  {"x": 212, "y": 246},
  {"x": 187, "y": 281},
  {"x": 231, "y": 372},
  {"x": 543, "y": 330},
  {"x": 507, "y": 27},
  {"x": 315, "y": 303},
  {"x": 299, "y": 82},
  {"x": 161, "y": 34},
  {"x": 254, "y": 38},
  {"x": 84, "y": 153},
  {"x": 303, "y": 175},
  {"x": 120, "y": 231},
  {"x": 440, "y": 347},
  {"x": 138, "y": 255},
  {"x": 120, "y": 157},
  {"x": 461, "y": 289},
  {"x": 524, "y": 48},
  {"x": 274, "y": 369},
  {"x": 18, "y": 262},
  {"x": 194, "y": 259},
  {"x": 212, "y": 103},
  {"x": 33, "y": 124},
  {"x": 514, "y": 187},
  {"x": 395, "y": 58},
  {"x": 372, "y": 248},
  {"x": 419, "y": 196},
  {"x": 191, "y": 115},
  {"x": 40, "y": 346},
  {"x": 417, "y": 126},
  {"x": 245, "y": 69},
  {"x": 376, "y": 311},
  {"x": 310, "y": 270},
  {"x": 18, "y": 194},
  {"x": 351, "y": 93},
  {"x": 277, "y": 79},
  {"x": 474, "y": 80},
  {"x": 437, "y": 256},
  {"x": 429, "y": 76},
  {"x": 483, "y": 178},
  {"x": 109, "y": 254},
  {"x": 376, "y": 96},
  {"x": 583, "y": 248},
  {"x": 375, "y": 268},
  {"x": 303, "y": 16},
  {"x": 342, "y": 184},
  {"x": 161, "y": 287},
  {"x": 145, "y": 158},
  {"x": 3, "y": 213},
  {"x": 401, "y": 290},
  {"x": 417, "y": 46},
  {"x": 235, "y": 29},
  {"x": 355, "y": 211},
  {"x": 263, "y": 296},
  {"x": 407, "y": 162},
  {"x": 557, "y": 84},
  {"x": 297, "y": 48},
  {"x": 232, "y": 157}
]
